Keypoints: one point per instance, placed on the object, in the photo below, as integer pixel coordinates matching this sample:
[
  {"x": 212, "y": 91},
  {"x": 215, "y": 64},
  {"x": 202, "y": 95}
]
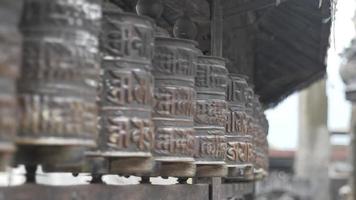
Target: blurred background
[{"x": 287, "y": 127}]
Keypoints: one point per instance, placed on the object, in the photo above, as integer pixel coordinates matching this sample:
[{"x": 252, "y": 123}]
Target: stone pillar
[
  {"x": 312, "y": 158},
  {"x": 348, "y": 74}
]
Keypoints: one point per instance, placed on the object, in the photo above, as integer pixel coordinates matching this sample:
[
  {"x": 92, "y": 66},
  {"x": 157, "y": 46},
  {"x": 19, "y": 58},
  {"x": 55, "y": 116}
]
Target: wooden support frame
[{"x": 216, "y": 191}]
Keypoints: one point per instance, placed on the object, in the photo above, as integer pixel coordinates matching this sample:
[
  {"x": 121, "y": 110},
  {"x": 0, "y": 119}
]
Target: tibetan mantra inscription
[
  {"x": 174, "y": 68},
  {"x": 239, "y": 153},
  {"x": 126, "y": 91},
  {"x": 10, "y": 48},
  {"x": 210, "y": 116},
  {"x": 58, "y": 85}
]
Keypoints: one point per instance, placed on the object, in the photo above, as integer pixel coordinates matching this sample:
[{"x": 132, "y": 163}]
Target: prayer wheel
[
  {"x": 210, "y": 116},
  {"x": 258, "y": 139},
  {"x": 58, "y": 85},
  {"x": 261, "y": 143},
  {"x": 239, "y": 153},
  {"x": 174, "y": 69},
  {"x": 126, "y": 92},
  {"x": 10, "y": 48},
  {"x": 265, "y": 126}
]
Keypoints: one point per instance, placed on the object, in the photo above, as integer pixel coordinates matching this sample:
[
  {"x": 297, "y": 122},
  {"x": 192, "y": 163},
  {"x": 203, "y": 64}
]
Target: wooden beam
[{"x": 216, "y": 28}]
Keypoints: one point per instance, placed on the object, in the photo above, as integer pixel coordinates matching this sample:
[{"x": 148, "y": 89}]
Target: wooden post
[
  {"x": 216, "y": 50},
  {"x": 216, "y": 28},
  {"x": 353, "y": 145}
]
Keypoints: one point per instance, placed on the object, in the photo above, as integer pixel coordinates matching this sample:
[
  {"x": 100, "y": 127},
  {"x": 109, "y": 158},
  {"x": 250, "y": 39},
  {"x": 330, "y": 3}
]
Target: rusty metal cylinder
[
  {"x": 58, "y": 85},
  {"x": 10, "y": 48},
  {"x": 210, "y": 116},
  {"x": 126, "y": 92},
  {"x": 174, "y": 69},
  {"x": 239, "y": 153}
]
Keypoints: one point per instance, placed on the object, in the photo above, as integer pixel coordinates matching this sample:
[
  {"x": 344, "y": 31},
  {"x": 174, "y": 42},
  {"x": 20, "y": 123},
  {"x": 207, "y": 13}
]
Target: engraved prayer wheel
[
  {"x": 265, "y": 126},
  {"x": 58, "y": 85},
  {"x": 10, "y": 48},
  {"x": 258, "y": 138},
  {"x": 239, "y": 153},
  {"x": 126, "y": 92},
  {"x": 174, "y": 69},
  {"x": 249, "y": 93},
  {"x": 210, "y": 116}
]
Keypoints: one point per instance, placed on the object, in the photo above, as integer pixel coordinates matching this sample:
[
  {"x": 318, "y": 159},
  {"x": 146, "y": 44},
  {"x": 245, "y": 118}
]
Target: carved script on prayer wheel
[
  {"x": 126, "y": 87},
  {"x": 60, "y": 68},
  {"x": 239, "y": 153},
  {"x": 10, "y": 48},
  {"x": 210, "y": 116},
  {"x": 174, "y": 68}
]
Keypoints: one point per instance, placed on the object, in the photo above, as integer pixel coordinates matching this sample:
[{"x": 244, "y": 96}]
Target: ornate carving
[
  {"x": 211, "y": 75},
  {"x": 174, "y": 101},
  {"x": 211, "y": 147},
  {"x": 127, "y": 35},
  {"x": 240, "y": 146},
  {"x": 175, "y": 142},
  {"x": 61, "y": 117},
  {"x": 123, "y": 133},
  {"x": 210, "y": 116},
  {"x": 57, "y": 89},
  {"x": 174, "y": 68},
  {"x": 239, "y": 152},
  {"x": 210, "y": 112},
  {"x": 237, "y": 123},
  {"x": 126, "y": 88}
]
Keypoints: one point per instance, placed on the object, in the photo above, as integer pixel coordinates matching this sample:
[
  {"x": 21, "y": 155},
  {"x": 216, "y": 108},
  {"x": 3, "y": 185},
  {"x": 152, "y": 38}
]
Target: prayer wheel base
[
  {"x": 130, "y": 165},
  {"x": 241, "y": 173},
  {"x": 52, "y": 158},
  {"x": 177, "y": 169},
  {"x": 206, "y": 170}
]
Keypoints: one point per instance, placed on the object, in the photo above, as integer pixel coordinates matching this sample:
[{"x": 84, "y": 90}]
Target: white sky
[{"x": 283, "y": 130}]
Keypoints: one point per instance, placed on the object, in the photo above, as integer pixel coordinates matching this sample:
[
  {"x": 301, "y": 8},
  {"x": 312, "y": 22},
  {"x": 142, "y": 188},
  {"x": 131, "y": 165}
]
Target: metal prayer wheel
[
  {"x": 264, "y": 144},
  {"x": 57, "y": 89},
  {"x": 210, "y": 116},
  {"x": 10, "y": 48},
  {"x": 239, "y": 153},
  {"x": 258, "y": 138},
  {"x": 174, "y": 69},
  {"x": 126, "y": 92}
]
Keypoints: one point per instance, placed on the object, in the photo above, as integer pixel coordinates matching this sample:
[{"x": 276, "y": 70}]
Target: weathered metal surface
[
  {"x": 126, "y": 92},
  {"x": 210, "y": 116},
  {"x": 257, "y": 138},
  {"x": 174, "y": 68},
  {"x": 239, "y": 155},
  {"x": 57, "y": 88},
  {"x": 260, "y": 128},
  {"x": 106, "y": 192},
  {"x": 10, "y": 48},
  {"x": 215, "y": 190}
]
